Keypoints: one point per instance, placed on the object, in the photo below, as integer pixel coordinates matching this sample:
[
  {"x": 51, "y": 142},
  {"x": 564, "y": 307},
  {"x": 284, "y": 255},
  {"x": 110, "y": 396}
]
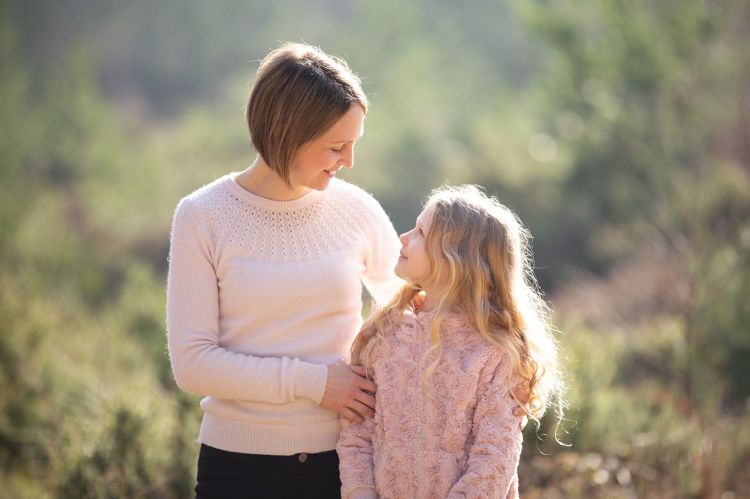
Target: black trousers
[{"x": 232, "y": 475}]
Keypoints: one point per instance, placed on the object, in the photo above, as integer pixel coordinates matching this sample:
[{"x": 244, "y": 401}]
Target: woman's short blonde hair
[{"x": 298, "y": 94}]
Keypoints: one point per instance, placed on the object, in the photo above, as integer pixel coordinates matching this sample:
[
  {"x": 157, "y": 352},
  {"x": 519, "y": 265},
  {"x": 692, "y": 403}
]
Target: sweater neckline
[
  {"x": 426, "y": 316},
  {"x": 230, "y": 181}
]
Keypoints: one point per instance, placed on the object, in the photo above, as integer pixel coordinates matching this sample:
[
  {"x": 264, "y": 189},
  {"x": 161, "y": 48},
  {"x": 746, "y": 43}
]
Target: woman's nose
[{"x": 347, "y": 160}]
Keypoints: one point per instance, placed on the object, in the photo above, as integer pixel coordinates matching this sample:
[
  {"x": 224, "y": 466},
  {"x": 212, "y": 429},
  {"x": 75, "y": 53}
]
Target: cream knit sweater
[
  {"x": 261, "y": 296},
  {"x": 454, "y": 437}
]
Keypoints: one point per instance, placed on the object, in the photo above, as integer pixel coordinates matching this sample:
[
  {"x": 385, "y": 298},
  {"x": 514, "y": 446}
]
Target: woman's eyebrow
[{"x": 348, "y": 141}]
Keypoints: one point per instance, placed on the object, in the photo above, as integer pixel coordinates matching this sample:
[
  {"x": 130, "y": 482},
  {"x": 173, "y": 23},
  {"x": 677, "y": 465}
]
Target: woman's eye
[{"x": 337, "y": 150}]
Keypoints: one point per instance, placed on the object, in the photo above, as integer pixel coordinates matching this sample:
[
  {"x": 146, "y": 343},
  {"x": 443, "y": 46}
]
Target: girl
[{"x": 450, "y": 374}]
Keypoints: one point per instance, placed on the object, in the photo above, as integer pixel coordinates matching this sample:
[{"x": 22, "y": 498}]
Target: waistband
[{"x": 301, "y": 458}]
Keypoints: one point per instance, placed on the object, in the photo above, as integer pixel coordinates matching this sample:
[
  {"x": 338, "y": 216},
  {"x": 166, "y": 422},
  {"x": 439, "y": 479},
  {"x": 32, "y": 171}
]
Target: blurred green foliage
[{"x": 619, "y": 131}]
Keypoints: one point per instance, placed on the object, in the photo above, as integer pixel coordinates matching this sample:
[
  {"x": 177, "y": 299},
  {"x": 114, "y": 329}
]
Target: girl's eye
[{"x": 337, "y": 150}]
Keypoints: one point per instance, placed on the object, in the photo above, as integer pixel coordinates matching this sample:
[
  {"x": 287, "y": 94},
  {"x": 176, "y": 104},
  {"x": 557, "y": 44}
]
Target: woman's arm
[
  {"x": 202, "y": 366},
  {"x": 356, "y": 463},
  {"x": 349, "y": 392},
  {"x": 492, "y": 466},
  {"x": 199, "y": 363},
  {"x": 382, "y": 251}
]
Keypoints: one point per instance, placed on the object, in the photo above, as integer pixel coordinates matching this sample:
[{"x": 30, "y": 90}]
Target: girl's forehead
[{"x": 425, "y": 218}]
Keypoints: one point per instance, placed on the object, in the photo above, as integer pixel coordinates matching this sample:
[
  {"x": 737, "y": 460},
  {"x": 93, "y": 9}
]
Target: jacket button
[{"x": 302, "y": 457}]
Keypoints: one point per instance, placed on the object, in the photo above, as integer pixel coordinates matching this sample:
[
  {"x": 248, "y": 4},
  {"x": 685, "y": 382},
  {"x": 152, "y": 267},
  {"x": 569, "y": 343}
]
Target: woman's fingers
[
  {"x": 351, "y": 415},
  {"x": 365, "y": 399},
  {"x": 362, "y": 409},
  {"x": 368, "y": 386},
  {"x": 519, "y": 411},
  {"x": 418, "y": 301},
  {"x": 524, "y": 421},
  {"x": 348, "y": 391},
  {"x": 365, "y": 384}
]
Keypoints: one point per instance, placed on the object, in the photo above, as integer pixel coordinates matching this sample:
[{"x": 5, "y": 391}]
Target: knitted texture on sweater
[
  {"x": 456, "y": 436},
  {"x": 262, "y": 295}
]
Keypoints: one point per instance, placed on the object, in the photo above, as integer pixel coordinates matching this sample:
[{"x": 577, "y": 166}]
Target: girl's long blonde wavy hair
[{"x": 489, "y": 276}]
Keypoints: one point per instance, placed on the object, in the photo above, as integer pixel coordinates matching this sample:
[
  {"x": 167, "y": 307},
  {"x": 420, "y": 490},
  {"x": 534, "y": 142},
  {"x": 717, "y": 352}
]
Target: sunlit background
[{"x": 619, "y": 131}]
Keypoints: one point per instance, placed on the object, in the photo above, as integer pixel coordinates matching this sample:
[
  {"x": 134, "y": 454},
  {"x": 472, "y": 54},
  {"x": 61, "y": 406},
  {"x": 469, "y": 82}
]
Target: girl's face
[
  {"x": 318, "y": 161},
  {"x": 414, "y": 264}
]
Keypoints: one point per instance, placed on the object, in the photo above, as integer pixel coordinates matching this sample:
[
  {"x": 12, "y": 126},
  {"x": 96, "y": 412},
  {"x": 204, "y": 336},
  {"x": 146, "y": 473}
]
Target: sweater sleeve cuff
[
  {"x": 363, "y": 493},
  {"x": 310, "y": 381}
]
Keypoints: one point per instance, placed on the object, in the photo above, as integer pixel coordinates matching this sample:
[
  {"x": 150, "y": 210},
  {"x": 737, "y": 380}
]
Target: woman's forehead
[{"x": 348, "y": 128}]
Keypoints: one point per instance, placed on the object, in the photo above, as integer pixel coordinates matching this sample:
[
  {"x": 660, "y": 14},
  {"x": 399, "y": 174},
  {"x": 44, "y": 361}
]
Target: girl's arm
[
  {"x": 491, "y": 470},
  {"x": 355, "y": 456},
  {"x": 200, "y": 364}
]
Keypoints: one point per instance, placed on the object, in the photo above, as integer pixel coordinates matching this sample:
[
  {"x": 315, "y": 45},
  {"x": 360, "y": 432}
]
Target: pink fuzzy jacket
[{"x": 456, "y": 438}]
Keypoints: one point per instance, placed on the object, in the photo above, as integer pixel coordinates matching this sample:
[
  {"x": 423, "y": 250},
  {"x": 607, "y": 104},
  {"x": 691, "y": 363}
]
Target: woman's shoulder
[
  {"x": 354, "y": 195},
  {"x": 203, "y": 205},
  {"x": 348, "y": 188},
  {"x": 362, "y": 209},
  {"x": 203, "y": 198},
  {"x": 207, "y": 192}
]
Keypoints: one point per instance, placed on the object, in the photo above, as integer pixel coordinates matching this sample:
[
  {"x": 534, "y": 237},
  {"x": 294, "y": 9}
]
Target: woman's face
[{"x": 318, "y": 160}]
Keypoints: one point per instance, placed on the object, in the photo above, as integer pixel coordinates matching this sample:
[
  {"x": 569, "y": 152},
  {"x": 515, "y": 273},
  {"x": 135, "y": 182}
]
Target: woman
[{"x": 264, "y": 290}]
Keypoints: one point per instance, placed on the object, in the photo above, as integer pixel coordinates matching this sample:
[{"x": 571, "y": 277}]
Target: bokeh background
[{"x": 618, "y": 130}]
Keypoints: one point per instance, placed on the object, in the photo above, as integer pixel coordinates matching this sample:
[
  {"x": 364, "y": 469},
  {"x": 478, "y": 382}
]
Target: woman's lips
[{"x": 333, "y": 171}]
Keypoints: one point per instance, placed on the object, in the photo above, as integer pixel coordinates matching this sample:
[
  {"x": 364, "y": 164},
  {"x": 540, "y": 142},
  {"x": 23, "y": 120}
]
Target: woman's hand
[
  {"x": 521, "y": 393},
  {"x": 418, "y": 301},
  {"x": 349, "y": 392},
  {"x": 520, "y": 411}
]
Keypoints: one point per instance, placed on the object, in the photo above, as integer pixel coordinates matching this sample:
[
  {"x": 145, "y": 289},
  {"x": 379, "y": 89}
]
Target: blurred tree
[{"x": 650, "y": 101}]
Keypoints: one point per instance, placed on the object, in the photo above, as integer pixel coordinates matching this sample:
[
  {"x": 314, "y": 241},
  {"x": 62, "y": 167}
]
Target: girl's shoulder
[
  {"x": 457, "y": 327},
  {"x": 403, "y": 328},
  {"x": 462, "y": 336},
  {"x": 403, "y": 332}
]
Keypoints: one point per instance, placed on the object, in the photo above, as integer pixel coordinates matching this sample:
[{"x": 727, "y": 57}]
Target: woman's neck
[{"x": 263, "y": 181}]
